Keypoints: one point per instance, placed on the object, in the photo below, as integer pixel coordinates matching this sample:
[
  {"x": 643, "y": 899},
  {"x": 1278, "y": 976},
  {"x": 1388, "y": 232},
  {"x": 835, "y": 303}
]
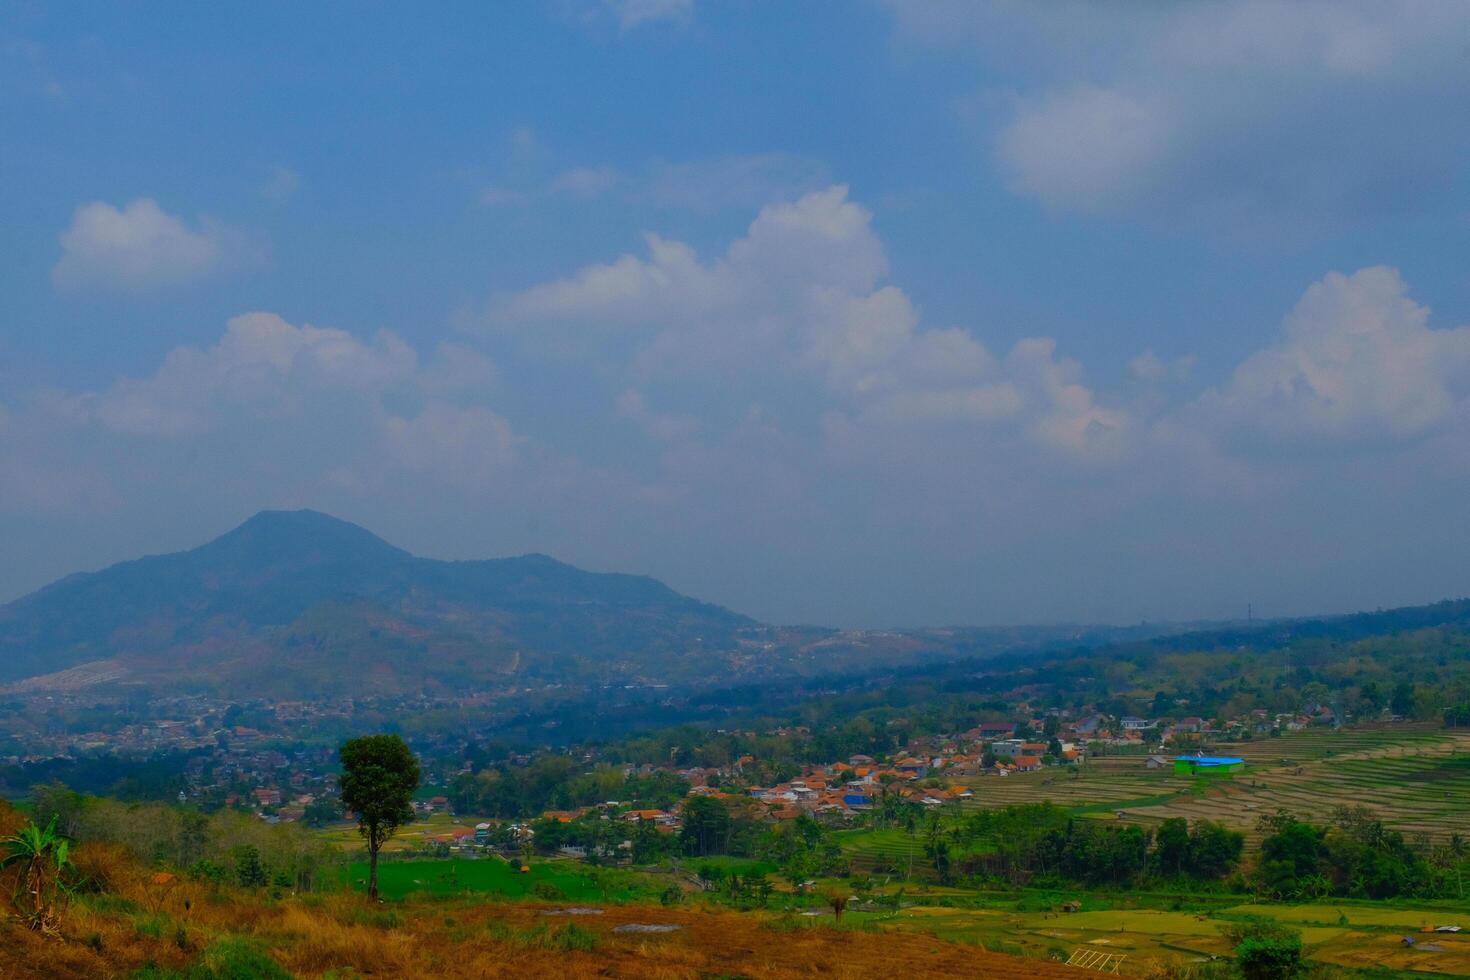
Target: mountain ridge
[{"x": 303, "y": 581}]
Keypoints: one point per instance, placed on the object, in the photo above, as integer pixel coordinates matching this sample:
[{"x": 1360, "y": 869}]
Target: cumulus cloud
[
  {"x": 1356, "y": 360},
  {"x": 802, "y": 292},
  {"x": 1234, "y": 115},
  {"x": 821, "y": 240},
  {"x": 262, "y": 366},
  {"x": 1148, "y": 366},
  {"x": 319, "y": 398},
  {"x": 138, "y": 246},
  {"x": 1085, "y": 148}
]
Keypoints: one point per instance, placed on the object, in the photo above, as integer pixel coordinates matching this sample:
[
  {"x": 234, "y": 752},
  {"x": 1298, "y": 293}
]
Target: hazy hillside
[
  {"x": 304, "y": 602},
  {"x": 300, "y": 604}
]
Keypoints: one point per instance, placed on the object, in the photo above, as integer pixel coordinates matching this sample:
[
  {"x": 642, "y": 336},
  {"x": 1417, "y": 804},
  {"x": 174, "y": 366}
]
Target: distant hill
[{"x": 300, "y": 603}]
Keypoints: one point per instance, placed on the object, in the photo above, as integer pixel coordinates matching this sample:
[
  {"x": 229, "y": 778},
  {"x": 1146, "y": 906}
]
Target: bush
[
  {"x": 572, "y": 937},
  {"x": 375, "y": 918},
  {"x": 228, "y": 958},
  {"x": 1266, "y": 950},
  {"x": 205, "y": 870}
]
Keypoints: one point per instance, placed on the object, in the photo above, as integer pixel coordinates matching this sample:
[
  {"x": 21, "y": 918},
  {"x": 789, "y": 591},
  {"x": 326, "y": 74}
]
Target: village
[
  {"x": 930, "y": 773},
  {"x": 276, "y": 759}
]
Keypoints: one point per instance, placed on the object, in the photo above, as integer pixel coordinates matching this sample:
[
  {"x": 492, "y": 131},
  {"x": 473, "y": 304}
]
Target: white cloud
[
  {"x": 281, "y": 185},
  {"x": 531, "y": 175},
  {"x": 801, "y": 293},
  {"x": 821, "y": 240},
  {"x": 467, "y": 446},
  {"x": 1085, "y": 148},
  {"x": 457, "y": 368},
  {"x": 1356, "y": 360},
  {"x": 1238, "y": 116},
  {"x": 633, "y": 13},
  {"x": 137, "y": 247},
  {"x": 262, "y": 366},
  {"x": 633, "y": 406},
  {"x": 271, "y": 411},
  {"x": 1148, "y": 366}
]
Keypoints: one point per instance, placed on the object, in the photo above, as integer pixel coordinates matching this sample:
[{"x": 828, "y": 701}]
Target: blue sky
[{"x": 874, "y": 313}]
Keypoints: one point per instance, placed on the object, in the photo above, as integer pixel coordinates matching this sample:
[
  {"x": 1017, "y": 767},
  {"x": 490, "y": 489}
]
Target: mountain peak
[
  {"x": 299, "y": 600},
  {"x": 279, "y": 533}
]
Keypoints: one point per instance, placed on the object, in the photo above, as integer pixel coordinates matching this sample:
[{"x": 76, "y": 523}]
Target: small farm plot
[
  {"x": 1103, "y": 781},
  {"x": 870, "y": 849}
]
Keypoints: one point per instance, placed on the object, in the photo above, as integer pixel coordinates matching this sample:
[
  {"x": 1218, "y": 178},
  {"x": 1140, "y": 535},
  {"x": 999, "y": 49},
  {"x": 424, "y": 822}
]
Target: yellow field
[{"x": 1372, "y": 937}]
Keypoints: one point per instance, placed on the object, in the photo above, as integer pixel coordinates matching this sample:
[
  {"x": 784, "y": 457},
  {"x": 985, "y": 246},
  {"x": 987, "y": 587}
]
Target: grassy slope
[{"x": 342, "y": 935}]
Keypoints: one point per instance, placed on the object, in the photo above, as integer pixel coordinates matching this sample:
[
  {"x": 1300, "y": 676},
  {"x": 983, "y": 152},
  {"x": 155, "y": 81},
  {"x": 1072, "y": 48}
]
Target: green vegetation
[
  {"x": 379, "y": 776},
  {"x": 1354, "y": 856},
  {"x": 560, "y": 880},
  {"x": 228, "y": 958},
  {"x": 40, "y": 857}
]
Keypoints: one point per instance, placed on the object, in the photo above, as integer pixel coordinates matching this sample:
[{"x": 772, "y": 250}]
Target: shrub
[
  {"x": 227, "y": 958},
  {"x": 565, "y": 939},
  {"x": 1266, "y": 950},
  {"x": 572, "y": 937},
  {"x": 375, "y": 918},
  {"x": 209, "y": 871},
  {"x": 151, "y": 926},
  {"x": 233, "y": 958}
]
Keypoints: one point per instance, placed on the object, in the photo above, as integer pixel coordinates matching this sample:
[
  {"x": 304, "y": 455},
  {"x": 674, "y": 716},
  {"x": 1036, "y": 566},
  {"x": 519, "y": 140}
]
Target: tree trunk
[{"x": 372, "y": 872}]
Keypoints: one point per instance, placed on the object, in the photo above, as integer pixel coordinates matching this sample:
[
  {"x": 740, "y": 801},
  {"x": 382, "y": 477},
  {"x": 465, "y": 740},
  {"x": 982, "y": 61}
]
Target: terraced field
[
  {"x": 1107, "y": 780},
  {"x": 1416, "y": 777},
  {"x": 1417, "y": 781},
  {"x": 870, "y": 849}
]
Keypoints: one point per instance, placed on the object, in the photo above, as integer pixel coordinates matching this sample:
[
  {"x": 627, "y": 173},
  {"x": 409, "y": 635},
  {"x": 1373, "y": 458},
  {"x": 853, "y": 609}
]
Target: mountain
[{"x": 300, "y": 603}]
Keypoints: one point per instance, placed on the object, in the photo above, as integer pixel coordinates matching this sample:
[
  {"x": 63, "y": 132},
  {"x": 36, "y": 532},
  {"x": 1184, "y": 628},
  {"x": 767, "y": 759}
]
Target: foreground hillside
[
  {"x": 158, "y": 926},
  {"x": 301, "y": 603}
]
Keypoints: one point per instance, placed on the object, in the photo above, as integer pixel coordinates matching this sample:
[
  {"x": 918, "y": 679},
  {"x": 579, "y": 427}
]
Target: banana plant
[{"x": 43, "y": 857}]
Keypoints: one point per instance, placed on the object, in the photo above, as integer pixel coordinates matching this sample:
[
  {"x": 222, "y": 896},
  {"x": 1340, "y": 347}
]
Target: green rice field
[{"x": 559, "y": 880}]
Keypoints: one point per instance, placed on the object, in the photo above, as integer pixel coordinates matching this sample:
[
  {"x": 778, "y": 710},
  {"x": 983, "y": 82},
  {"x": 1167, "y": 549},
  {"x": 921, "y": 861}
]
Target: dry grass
[{"x": 148, "y": 920}]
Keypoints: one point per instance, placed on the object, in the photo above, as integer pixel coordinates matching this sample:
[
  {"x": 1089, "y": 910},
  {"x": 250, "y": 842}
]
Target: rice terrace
[{"x": 1416, "y": 779}]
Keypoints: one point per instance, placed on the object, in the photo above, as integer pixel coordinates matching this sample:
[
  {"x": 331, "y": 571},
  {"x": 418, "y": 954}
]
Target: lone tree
[{"x": 379, "y": 775}]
